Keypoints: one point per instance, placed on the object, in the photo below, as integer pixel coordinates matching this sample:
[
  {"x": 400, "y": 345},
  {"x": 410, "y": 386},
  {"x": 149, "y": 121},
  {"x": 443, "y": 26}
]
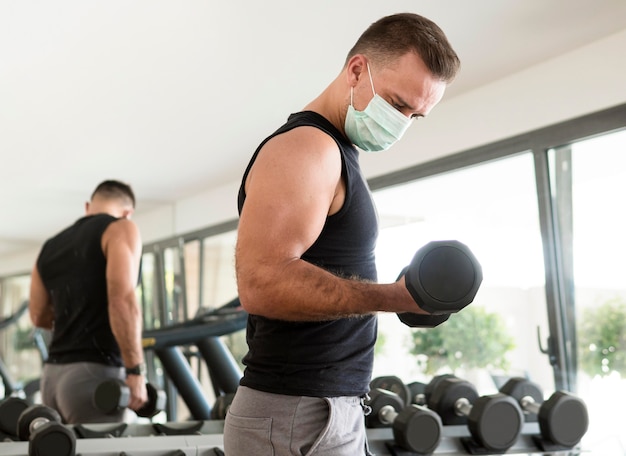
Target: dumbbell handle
[
  {"x": 387, "y": 414},
  {"x": 528, "y": 404},
  {"x": 39, "y": 421},
  {"x": 462, "y": 407}
]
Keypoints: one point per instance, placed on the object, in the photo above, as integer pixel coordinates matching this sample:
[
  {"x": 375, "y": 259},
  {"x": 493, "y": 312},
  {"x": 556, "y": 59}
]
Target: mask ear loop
[
  {"x": 369, "y": 73},
  {"x": 371, "y": 80}
]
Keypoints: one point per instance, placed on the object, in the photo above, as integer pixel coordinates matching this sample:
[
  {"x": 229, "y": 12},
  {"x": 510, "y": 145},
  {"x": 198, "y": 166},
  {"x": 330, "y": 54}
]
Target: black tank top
[
  {"x": 73, "y": 269},
  {"x": 330, "y": 358}
]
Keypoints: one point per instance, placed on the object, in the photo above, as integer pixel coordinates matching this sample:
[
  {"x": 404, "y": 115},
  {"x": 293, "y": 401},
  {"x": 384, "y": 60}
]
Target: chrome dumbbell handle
[{"x": 387, "y": 414}]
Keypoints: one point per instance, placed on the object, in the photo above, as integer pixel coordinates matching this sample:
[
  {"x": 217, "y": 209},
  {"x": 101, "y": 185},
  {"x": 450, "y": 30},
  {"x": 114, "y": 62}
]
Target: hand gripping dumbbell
[
  {"x": 494, "y": 421},
  {"x": 443, "y": 277},
  {"x": 563, "y": 418},
  {"x": 113, "y": 395},
  {"x": 41, "y": 426},
  {"x": 415, "y": 428},
  {"x": 10, "y": 410}
]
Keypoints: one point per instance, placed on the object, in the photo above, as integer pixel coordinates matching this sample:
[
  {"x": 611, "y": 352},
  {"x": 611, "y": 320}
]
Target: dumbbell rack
[
  {"x": 455, "y": 438},
  {"x": 140, "y": 440}
]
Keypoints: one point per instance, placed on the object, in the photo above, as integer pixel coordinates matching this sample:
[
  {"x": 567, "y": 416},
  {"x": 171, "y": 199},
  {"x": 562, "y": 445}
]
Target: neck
[
  {"x": 114, "y": 210},
  {"x": 332, "y": 103}
]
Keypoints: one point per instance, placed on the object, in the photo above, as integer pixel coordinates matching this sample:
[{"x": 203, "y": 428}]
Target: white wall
[
  {"x": 587, "y": 80},
  {"x": 584, "y": 81}
]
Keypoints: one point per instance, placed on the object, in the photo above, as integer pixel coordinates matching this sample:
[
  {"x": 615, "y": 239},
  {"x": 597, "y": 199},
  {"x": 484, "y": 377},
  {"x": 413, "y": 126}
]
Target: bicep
[
  {"x": 122, "y": 251},
  {"x": 39, "y": 300},
  {"x": 288, "y": 196}
]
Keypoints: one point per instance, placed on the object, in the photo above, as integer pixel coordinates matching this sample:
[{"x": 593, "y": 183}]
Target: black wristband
[{"x": 135, "y": 370}]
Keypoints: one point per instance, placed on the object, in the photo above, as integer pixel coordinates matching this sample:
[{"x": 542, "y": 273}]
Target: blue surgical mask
[{"x": 378, "y": 126}]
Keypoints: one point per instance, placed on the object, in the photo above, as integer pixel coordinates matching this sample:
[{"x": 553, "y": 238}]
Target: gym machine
[
  {"x": 203, "y": 331},
  {"x": 12, "y": 388}
]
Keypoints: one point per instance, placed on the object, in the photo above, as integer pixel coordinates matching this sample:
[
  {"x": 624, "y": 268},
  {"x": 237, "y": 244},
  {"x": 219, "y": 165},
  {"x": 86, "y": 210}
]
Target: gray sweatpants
[
  {"x": 69, "y": 389},
  {"x": 266, "y": 424}
]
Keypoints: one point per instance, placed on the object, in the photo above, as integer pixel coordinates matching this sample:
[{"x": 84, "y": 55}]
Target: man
[
  {"x": 83, "y": 289},
  {"x": 305, "y": 251}
]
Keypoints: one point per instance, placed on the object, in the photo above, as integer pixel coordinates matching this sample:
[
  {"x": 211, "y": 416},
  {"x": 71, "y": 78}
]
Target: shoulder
[
  {"x": 122, "y": 228},
  {"x": 302, "y": 143}
]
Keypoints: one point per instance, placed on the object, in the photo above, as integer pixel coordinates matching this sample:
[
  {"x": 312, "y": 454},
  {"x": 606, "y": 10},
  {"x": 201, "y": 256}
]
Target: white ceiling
[{"x": 173, "y": 96}]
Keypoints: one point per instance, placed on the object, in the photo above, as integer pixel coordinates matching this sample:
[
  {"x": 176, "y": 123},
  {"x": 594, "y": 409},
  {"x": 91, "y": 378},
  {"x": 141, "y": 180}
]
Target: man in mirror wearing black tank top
[{"x": 83, "y": 290}]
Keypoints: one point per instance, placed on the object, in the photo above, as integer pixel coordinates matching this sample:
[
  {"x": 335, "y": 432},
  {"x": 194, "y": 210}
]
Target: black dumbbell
[
  {"x": 113, "y": 395},
  {"x": 443, "y": 277},
  {"x": 416, "y": 393},
  {"x": 41, "y": 426},
  {"x": 394, "y": 384},
  {"x": 413, "y": 393},
  {"x": 415, "y": 320},
  {"x": 494, "y": 421},
  {"x": 420, "y": 392},
  {"x": 563, "y": 418},
  {"x": 415, "y": 428},
  {"x": 10, "y": 410}
]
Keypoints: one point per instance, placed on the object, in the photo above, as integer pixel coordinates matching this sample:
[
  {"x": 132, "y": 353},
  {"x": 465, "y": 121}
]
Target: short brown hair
[
  {"x": 113, "y": 189},
  {"x": 395, "y": 35}
]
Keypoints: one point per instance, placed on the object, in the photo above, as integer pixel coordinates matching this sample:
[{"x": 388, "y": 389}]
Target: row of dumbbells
[
  {"x": 42, "y": 426},
  {"x": 417, "y": 413}
]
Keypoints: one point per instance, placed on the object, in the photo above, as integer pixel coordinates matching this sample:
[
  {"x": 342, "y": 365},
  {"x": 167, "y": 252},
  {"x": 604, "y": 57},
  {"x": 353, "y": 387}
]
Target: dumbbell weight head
[
  {"x": 519, "y": 388},
  {"x": 416, "y": 393},
  {"x": 563, "y": 419},
  {"x": 111, "y": 395},
  {"x": 393, "y": 384},
  {"x": 35, "y": 413},
  {"x": 495, "y": 421},
  {"x": 10, "y": 410},
  {"x": 443, "y": 277},
  {"x": 52, "y": 439},
  {"x": 418, "y": 429},
  {"x": 445, "y": 392},
  {"x": 156, "y": 402},
  {"x": 430, "y": 387},
  {"x": 414, "y": 320},
  {"x": 379, "y": 399}
]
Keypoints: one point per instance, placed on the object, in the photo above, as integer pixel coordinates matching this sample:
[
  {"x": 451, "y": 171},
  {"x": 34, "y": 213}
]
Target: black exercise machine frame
[{"x": 203, "y": 331}]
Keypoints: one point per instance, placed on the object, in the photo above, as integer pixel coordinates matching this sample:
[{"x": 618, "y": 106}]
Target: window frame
[{"x": 561, "y": 342}]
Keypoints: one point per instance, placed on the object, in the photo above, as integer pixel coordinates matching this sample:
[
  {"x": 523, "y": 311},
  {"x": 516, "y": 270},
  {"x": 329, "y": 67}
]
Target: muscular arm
[
  {"x": 121, "y": 244},
  {"x": 39, "y": 304},
  {"x": 295, "y": 183}
]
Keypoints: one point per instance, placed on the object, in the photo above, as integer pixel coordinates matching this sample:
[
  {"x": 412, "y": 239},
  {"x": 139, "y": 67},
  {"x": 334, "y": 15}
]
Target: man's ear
[
  {"x": 355, "y": 68},
  {"x": 86, "y": 207},
  {"x": 127, "y": 213}
]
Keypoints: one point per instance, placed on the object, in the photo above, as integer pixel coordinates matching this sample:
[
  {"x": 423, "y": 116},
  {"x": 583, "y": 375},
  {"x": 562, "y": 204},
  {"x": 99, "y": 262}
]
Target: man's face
[{"x": 405, "y": 84}]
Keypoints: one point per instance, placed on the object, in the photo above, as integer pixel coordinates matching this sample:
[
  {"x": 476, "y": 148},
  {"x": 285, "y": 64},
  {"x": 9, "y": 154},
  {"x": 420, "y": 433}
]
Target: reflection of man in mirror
[{"x": 83, "y": 289}]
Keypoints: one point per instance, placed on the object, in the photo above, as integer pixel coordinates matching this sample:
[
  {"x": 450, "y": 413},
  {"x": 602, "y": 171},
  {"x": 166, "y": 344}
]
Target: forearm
[
  {"x": 40, "y": 306},
  {"x": 300, "y": 291},
  {"x": 44, "y": 320},
  {"x": 126, "y": 323}
]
